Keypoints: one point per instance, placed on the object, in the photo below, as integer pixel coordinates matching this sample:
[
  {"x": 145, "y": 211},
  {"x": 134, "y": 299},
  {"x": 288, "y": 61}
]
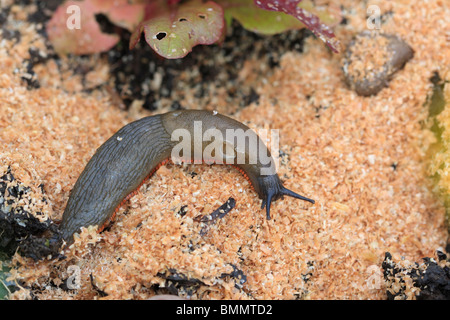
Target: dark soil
[
  {"x": 21, "y": 228},
  {"x": 432, "y": 278},
  {"x": 206, "y": 67}
]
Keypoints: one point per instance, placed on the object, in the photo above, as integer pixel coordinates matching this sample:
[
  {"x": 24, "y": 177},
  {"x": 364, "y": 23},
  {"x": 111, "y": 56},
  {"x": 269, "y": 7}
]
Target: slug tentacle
[{"x": 290, "y": 193}]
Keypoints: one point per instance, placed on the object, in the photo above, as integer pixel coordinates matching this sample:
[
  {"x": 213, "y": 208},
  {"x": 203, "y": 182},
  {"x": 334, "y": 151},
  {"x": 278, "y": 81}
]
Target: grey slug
[{"x": 136, "y": 151}]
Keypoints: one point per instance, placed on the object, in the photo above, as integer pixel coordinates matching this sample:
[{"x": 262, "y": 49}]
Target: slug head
[{"x": 271, "y": 188}]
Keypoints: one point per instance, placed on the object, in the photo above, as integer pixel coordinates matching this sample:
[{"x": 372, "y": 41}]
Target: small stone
[{"x": 372, "y": 59}]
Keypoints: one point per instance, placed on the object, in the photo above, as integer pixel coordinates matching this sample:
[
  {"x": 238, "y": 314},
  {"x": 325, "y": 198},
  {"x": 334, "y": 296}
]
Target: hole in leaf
[
  {"x": 201, "y": 16},
  {"x": 182, "y": 19},
  {"x": 161, "y": 35}
]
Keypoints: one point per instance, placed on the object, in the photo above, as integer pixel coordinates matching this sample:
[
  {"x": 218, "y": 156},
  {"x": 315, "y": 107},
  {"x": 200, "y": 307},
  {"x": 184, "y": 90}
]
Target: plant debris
[
  {"x": 217, "y": 214},
  {"x": 179, "y": 284}
]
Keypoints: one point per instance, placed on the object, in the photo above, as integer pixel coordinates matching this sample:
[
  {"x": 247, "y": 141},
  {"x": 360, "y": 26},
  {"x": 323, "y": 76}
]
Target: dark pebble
[{"x": 372, "y": 82}]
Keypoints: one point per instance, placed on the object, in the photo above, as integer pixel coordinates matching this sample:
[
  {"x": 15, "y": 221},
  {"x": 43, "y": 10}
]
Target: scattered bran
[{"x": 360, "y": 158}]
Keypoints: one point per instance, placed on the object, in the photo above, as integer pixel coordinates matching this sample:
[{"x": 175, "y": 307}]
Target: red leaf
[
  {"x": 172, "y": 2},
  {"x": 84, "y": 37},
  {"x": 74, "y": 29}
]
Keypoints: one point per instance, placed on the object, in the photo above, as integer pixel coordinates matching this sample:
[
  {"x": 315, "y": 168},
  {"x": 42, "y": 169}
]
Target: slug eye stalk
[
  {"x": 274, "y": 190},
  {"x": 283, "y": 192}
]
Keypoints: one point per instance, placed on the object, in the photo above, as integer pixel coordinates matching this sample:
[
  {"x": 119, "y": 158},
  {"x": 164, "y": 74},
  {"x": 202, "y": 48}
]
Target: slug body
[{"x": 137, "y": 150}]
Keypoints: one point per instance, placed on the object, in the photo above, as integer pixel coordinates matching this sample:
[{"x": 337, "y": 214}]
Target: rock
[{"x": 372, "y": 59}]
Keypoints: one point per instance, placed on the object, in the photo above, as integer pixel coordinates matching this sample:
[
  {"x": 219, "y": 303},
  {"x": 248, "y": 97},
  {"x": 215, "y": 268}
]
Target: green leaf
[
  {"x": 172, "y": 31},
  {"x": 300, "y": 11},
  {"x": 5, "y": 287},
  {"x": 260, "y": 21},
  {"x": 4, "y": 293}
]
